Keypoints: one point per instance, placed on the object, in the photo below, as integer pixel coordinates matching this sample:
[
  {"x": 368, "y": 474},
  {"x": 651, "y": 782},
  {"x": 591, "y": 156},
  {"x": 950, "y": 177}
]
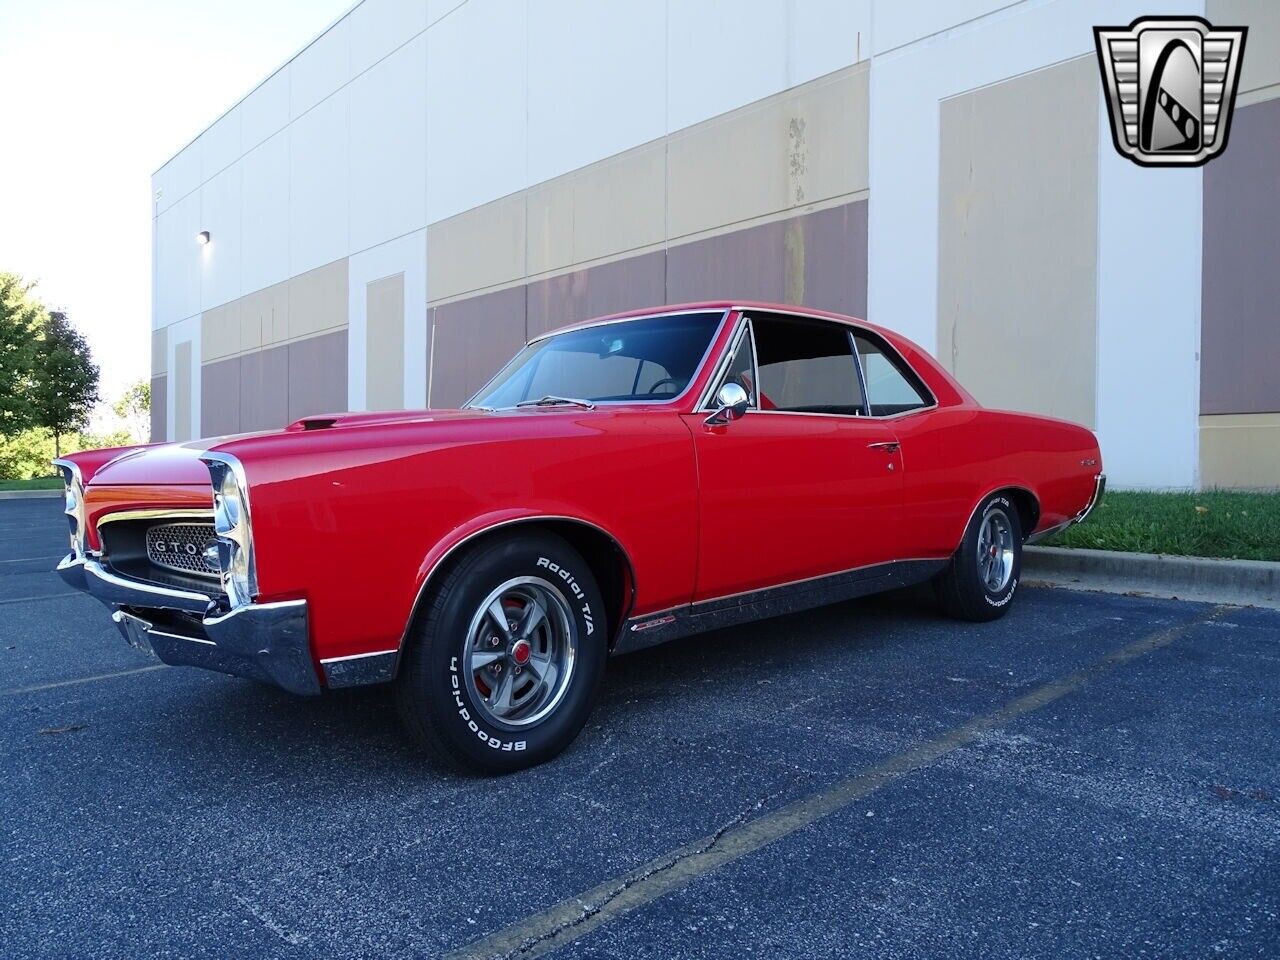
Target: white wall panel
[
  {"x": 476, "y": 106},
  {"x": 317, "y": 184},
  {"x": 264, "y": 223},
  {"x": 220, "y": 144},
  {"x": 388, "y": 185},
  {"x": 825, "y": 35},
  {"x": 1149, "y": 260},
  {"x": 407, "y": 255},
  {"x": 183, "y": 331},
  {"x": 265, "y": 111},
  {"x": 320, "y": 69},
  {"x": 722, "y": 54},
  {"x": 439, "y": 9},
  {"x": 899, "y": 22},
  {"x": 379, "y": 26},
  {"x": 220, "y": 259},
  {"x": 906, "y": 87},
  {"x": 178, "y": 261},
  {"x": 595, "y": 81},
  {"x": 178, "y": 177}
]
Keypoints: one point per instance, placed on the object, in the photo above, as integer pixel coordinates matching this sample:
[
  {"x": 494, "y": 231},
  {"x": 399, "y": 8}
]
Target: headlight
[
  {"x": 73, "y": 489},
  {"x": 232, "y": 527}
]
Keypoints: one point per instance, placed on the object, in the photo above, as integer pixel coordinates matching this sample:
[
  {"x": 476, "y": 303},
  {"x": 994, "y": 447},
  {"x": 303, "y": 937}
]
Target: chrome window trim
[
  {"x": 693, "y": 378},
  {"x": 854, "y": 328},
  {"x": 722, "y": 369},
  {"x": 721, "y": 364}
]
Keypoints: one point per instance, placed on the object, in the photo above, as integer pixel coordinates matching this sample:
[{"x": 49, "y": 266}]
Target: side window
[
  {"x": 806, "y": 366},
  {"x": 891, "y": 388}
]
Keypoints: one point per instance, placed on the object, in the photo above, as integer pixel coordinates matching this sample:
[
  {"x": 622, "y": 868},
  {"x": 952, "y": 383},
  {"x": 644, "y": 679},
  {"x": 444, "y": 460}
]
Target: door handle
[{"x": 888, "y": 446}]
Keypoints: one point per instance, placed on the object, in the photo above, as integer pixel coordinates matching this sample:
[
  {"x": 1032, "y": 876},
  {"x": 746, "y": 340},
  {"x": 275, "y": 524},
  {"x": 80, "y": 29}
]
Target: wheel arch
[
  {"x": 1024, "y": 500},
  {"x": 609, "y": 562}
]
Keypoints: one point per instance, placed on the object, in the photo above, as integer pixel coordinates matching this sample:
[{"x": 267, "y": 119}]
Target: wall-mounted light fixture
[{"x": 202, "y": 238}]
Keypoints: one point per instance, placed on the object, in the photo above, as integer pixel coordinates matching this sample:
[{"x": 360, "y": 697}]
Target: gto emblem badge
[{"x": 1170, "y": 86}]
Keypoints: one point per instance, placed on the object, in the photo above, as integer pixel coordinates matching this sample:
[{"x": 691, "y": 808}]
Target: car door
[{"x": 805, "y": 483}]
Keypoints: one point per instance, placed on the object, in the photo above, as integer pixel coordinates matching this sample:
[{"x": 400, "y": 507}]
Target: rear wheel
[
  {"x": 505, "y": 661},
  {"x": 982, "y": 577}
]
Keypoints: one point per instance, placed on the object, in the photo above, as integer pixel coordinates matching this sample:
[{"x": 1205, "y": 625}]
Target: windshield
[{"x": 649, "y": 359}]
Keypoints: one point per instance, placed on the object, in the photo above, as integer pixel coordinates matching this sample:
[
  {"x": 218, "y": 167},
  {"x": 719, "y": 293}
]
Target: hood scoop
[{"x": 313, "y": 423}]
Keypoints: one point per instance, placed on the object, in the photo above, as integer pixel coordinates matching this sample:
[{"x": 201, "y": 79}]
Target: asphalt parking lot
[{"x": 1091, "y": 776}]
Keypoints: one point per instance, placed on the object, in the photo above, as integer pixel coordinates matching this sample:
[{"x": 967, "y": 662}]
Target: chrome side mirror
[{"x": 731, "y": 404}]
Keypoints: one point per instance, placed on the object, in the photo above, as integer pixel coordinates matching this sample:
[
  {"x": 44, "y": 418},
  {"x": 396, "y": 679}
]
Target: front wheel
[
  {"x": 982, "y": 576},
  {"x": 504, "y": 663}
]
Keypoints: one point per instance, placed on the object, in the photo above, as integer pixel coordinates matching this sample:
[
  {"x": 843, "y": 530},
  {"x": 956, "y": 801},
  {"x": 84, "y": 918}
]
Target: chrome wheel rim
[
  {"x": 520, "y": 652},
  {"x": 995, "y": 551}
]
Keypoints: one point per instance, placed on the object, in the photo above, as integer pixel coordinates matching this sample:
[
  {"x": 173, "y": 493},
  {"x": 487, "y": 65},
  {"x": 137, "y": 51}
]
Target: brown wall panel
[
  {"x": 608, "y": 288},
  {"x": 159, "y": 407},
  {"x": 318, "y": 375},
  {"x": 746, "y": 264},
  {"x": 220, "y": 398},
  {"x": 829, "y": 251},
  {"x": 1240, "y": 325},
  {"x": 473, "y": 339},
  {"x": 264, "y": 389}
]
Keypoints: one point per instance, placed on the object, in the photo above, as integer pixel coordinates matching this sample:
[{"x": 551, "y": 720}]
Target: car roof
[{"x": 721, "y": 305}]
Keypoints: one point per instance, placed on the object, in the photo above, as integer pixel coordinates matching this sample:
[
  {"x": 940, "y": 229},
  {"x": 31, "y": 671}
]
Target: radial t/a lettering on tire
[
  {"x": 982, "y": 577},
  {"x": 505, "y": 659}
]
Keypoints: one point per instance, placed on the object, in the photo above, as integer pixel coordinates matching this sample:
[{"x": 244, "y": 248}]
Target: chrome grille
[{"x": 180, "y": 546}]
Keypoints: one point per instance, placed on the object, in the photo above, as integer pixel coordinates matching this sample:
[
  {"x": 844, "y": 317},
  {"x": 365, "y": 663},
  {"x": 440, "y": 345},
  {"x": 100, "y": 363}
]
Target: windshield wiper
[
  {"x": 553, "y": 401},
  {"x": 478, "y": 406}
]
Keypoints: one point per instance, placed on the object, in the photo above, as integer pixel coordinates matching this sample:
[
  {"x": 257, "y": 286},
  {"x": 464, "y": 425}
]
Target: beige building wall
[
  {"x": 384, "y": 351},
  {"x": 1017, "y": 237},
  {"x": 182, "y": 391},
  {"x": 1241, "y": 451},
  {"x": 800, "y": 150}
]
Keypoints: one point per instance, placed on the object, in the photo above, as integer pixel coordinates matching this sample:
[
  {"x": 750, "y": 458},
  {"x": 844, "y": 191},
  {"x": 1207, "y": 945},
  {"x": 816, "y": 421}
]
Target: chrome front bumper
[{"x": 262, "y": 641}]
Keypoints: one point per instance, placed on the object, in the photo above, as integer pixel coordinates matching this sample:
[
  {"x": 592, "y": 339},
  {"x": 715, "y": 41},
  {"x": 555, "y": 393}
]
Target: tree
[
  {"x": 134, "y": 408},
  {"x": 66, "y": 380},
  {"x": 21, "y": 316}
]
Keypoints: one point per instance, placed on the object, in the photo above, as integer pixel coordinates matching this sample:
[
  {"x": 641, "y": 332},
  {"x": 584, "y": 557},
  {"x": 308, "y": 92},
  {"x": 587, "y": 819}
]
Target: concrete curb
[
  {"x": 1244, "y": 582},
  {"x": 30, "y": 494}
]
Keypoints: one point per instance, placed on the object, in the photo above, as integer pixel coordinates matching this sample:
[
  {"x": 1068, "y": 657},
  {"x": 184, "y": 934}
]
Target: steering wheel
[{"x": 675, "y": 384}]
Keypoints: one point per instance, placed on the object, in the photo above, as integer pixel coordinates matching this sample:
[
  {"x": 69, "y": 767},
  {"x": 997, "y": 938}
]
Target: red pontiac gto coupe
[{"x": 618, "y": 484}]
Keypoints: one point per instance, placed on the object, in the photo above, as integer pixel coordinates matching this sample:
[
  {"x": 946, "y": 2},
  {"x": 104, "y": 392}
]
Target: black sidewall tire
[{"x": 436, "y": 704}]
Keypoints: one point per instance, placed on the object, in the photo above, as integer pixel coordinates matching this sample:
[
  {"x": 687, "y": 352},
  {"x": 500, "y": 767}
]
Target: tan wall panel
[
  {"x": 1261, "y": 65},
  {"x": 159, "y": 351},
  {"x": 618, "y": 204},
  {"x": 264, "y": 317},
  {"x": 1241, "y": 451},
  {"x": 384, "y": 351},
  {"x": 220, "y": 332},
  {"x": 318, "y": 300},
  {"x": 1017, "y": 237},
  {"x": 799, "y": 147},
  {"x": 550, "y": 214},
  {"x": 182, "y": 391},
  {"x": 479, "y": 248}
]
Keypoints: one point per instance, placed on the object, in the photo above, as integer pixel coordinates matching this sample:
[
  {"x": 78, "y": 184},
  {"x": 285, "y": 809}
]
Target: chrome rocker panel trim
[
  {"x": 269, "y": 642},
  {"x": 664, "y": 625}
]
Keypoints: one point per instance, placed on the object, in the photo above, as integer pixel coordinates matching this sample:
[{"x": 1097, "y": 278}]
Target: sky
[{"x": 95, "y": 95}]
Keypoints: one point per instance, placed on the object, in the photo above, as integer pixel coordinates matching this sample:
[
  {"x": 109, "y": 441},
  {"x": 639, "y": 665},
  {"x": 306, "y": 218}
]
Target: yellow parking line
[
  {"x": 71, "y": 683},
  {"x": 575, "y": 917}
]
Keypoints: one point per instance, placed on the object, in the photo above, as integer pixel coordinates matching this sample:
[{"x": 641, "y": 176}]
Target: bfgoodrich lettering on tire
[
  {"x": 505, "y": 659},
  {"x": 982, "y": 577}
]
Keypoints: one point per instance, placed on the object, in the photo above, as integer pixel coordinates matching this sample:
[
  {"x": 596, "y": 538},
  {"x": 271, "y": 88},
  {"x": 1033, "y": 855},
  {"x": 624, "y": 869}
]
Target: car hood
[{"x": 179, "y": 464}]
